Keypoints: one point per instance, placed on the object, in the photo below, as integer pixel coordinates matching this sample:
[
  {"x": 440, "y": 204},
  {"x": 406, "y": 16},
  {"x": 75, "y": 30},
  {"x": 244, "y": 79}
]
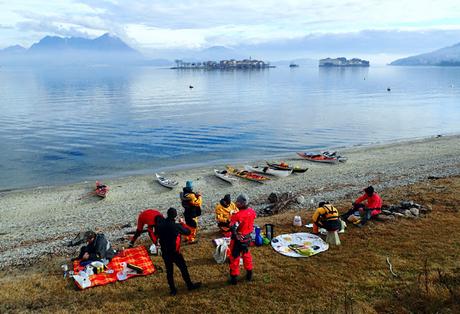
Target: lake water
[{"x": 68, "y": 125}]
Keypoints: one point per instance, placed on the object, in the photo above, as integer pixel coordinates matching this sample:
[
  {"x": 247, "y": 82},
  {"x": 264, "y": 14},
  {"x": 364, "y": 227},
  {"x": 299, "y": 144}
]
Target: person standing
[
  {"x": 224, "y": 211},
  {"x": 372, "y": 208},
  {"x": 242, "y": 225},
  {"x": 191, "y": 202},
  {"x": 147, "y": 217},
  {"x": 169, "y": 235}
]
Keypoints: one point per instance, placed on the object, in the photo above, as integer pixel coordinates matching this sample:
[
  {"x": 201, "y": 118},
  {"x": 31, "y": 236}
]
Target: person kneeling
[
  {"x": 372, "y": 208},
  {"x": 326, "y": 216}
]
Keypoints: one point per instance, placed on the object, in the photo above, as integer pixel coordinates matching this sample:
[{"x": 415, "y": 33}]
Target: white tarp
[{"x": 300, "y": 244}]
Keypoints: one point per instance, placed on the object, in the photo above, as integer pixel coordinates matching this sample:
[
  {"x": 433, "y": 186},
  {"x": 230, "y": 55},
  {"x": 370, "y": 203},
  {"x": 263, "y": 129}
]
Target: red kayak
[
  {"x": 101, "y": 189},
  {"x": 319, "y": 158}
]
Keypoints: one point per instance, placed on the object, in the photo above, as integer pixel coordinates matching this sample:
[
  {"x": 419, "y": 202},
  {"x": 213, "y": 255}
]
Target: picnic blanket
[
  {"x": 300, "y": 244},
  {"x": 137, "y": 256}
]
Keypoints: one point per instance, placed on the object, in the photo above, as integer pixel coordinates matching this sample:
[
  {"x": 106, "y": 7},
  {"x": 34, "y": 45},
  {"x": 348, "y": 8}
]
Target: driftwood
[
  {"x": 278, "y": 203},
  {"x": 391, "y": 268}
]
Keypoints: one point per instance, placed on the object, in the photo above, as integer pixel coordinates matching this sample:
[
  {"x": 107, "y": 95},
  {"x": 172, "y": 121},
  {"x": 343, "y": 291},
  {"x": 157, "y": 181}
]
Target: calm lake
[{"x": 62, "y": 125}]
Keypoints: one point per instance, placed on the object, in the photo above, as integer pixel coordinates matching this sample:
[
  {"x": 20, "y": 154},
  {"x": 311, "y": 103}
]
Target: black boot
[
  {"x": 194, "y": 286},
  {"x": 233, "y": 280},
  {"x": 173, "y": 292},
  {"x": 249, "y": 275}
]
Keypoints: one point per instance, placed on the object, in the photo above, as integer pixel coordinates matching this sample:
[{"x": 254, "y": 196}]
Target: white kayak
[
  {"x": 169, "y": 183},
  {"x": 268, "y": 170},
  {"x": 223, "y": 174}
]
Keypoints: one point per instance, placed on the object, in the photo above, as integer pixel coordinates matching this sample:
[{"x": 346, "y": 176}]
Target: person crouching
[
  {"x": 224, "y": 211},
  {"x": 97, "y": 248},
  {"x": 242, "y": 225},
  {"x": 326, "y": 216}
]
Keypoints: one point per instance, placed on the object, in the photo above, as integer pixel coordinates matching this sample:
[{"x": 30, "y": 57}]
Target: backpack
[{"x": 220, "y": 255}]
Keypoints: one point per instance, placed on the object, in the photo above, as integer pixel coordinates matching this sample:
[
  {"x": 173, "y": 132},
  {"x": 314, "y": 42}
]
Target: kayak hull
[
  {"x": 169, "y": 183},
  {"x": 319, "y": 158},
  {"x": 268, "y": 170},
  {"x": 223, "y": 175},
  {"x": 247, "y": 175}
]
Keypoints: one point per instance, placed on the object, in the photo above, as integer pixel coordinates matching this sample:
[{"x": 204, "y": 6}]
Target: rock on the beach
[
  {"x": 300, "y": 200},
  {"x": 415, "y": 211}
]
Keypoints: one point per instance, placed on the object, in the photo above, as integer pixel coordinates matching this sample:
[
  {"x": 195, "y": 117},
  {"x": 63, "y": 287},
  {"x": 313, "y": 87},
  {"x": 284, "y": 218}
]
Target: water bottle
[{"x": 258, "y": 238}]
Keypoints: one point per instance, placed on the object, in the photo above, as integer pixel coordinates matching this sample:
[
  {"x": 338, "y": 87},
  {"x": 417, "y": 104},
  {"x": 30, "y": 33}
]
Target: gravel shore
[{"x": 39, "y": 222}]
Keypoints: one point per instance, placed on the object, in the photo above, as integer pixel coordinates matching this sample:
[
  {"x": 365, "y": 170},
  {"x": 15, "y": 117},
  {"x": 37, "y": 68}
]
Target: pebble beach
[{"x": 39, "y": 222}]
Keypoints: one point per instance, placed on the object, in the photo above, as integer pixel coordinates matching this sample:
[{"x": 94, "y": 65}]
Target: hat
[
  {"x": 227, "y": 198},
  {"x": 369, "y": 189},
  {"x": 172, "y": 213},
  {"x": 189, "y": 184},
  {"x": 322, "y": 203},
  {"x": 242, "y": 199},
  {"x": 89, "y": 235}
]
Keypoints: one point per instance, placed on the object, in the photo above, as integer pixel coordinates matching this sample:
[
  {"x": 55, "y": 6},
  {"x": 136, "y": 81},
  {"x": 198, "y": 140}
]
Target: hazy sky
[{"x": 184, "y": 24}]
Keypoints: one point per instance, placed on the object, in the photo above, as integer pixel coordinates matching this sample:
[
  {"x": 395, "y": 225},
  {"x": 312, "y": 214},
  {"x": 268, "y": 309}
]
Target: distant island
[
  {"x": 246, "y": 64},
  {"x": 448, "y": 56},
  {"x": 343, "y": 62}
]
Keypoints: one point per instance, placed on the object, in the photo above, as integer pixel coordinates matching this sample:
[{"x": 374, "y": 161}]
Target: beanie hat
[
  {"x": 227, "y": 198},
  {"x": 242, "y": 200},
  {"x": 189, "y": 184},
  {"x": 369, "y": 189},
  {"x": 172, "y": 213}
]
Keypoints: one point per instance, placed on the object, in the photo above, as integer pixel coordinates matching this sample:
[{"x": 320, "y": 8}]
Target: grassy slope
[{"x": 352, "y": 278}]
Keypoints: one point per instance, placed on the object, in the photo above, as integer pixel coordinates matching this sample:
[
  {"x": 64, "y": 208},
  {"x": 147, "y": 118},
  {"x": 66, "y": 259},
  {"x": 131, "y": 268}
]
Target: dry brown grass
[{"x": 352, "y": 278}]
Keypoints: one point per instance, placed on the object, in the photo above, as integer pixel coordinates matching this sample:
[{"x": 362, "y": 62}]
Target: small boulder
[
  {"x": 300, "y": 200},
  {"x": 408, "y": 213},
  {"x": 415, "y": 211},
  {"x": 273, "y": 198}
]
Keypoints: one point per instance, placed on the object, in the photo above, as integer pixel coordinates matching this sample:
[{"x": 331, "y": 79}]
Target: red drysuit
[{"x": 239, "y": 244}]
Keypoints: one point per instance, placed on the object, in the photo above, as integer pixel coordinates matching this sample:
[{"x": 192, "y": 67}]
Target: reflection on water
[{"x": 64, "y": 125}]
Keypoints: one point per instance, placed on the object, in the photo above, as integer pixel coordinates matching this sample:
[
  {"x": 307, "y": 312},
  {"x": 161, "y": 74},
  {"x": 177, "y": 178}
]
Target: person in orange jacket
[
  {"x": 224, "y": 211},
  {"x": 147, "y": 217},
  {"x": 242, "y": 225},
  {"x": 191, "y": 202},
  {"x": 326, "y": 216},
  {"x": 372, "y": 208}
]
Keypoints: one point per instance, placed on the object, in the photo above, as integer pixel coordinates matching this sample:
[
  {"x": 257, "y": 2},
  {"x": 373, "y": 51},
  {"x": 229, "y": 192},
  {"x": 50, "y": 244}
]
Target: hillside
[
  {"x": 449, "y": 56},
  {"x": 352, "y": 278}
]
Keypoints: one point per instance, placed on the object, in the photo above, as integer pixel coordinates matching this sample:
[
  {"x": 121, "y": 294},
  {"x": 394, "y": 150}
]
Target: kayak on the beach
[
  {"x": 169, "y": 183},
  {"x": 223, "y": 174},
  {"x": 318, "y": 158},
  {"x": 247, "y": 175},
  {"x": 268, "y": 170},
  {"x": 286, "y": 167},
  {"x": 335, "y": 155},
  {"x": 101, "y": 189}
]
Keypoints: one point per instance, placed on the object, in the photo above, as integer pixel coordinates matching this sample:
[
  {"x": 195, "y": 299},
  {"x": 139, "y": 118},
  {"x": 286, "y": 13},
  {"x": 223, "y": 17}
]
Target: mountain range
[
  {"x": 448, "y": 56},
  {"x": 54, "y": 50}
]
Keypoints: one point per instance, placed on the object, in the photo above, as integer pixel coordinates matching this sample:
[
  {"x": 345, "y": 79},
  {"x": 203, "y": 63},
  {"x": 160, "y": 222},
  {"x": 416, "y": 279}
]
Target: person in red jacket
[
  {"x": 242, "y": 225},
  {"x": 147, "y": 217},
  {"x": 372, "y": 208}
]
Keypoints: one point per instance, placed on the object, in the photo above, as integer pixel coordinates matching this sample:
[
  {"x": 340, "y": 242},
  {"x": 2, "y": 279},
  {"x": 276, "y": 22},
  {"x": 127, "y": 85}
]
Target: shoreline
[
  {"x": 219, "y": 162},
  {"x": 40, "y": 221}
]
